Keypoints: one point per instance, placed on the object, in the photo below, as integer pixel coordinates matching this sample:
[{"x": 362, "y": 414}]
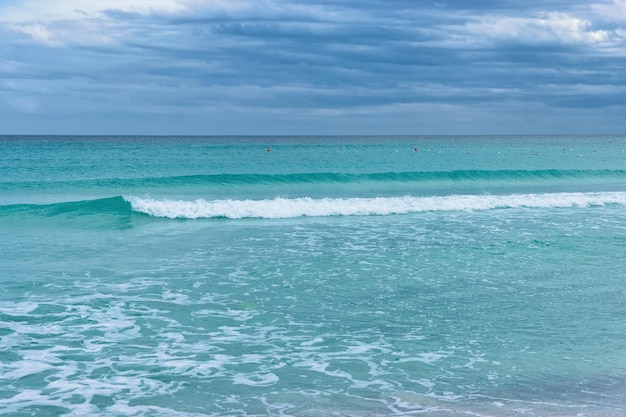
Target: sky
[{"x": 315, "y": 67}]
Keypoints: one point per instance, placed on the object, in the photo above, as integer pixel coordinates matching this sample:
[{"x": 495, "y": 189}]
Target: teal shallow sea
[{"x": 313, "y": 276}]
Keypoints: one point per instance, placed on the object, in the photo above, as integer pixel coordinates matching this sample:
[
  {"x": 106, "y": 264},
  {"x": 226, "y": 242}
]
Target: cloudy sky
[{"x": 312, "y": 67}]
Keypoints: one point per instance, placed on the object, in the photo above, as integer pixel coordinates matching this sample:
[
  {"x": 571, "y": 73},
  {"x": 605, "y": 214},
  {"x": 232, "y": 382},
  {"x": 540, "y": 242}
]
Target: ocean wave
[
  {"x": 284, "y": 208},
  {"x": 327, "y": 177},
  {"x": 111, "y": 205},
  {"x": 383, "y": 177},
  {"x": 280, "y": 208}
]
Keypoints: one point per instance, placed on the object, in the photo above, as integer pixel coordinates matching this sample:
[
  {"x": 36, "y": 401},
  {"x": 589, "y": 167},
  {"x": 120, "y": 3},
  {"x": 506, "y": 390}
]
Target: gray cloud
[{"x": 324, "y": 60}]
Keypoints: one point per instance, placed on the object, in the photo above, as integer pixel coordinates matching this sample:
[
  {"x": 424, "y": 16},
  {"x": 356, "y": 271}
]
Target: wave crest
[{"x": 279, "y": 208}]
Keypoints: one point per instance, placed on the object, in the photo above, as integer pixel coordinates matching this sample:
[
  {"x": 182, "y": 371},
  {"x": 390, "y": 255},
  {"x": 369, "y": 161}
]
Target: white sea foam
[
  {"x": 298, "y": 207},
  {"x": 13, "y": 309},
  {"x": 257, "y": 379}
]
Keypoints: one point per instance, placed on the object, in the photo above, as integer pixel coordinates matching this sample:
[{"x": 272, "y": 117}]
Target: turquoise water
[{"x": 328, "y": 276}]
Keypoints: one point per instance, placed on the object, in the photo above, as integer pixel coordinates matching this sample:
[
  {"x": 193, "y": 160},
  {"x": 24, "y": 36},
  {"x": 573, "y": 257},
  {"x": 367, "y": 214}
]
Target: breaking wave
[
  {"x": 278, "y": 208},
  {"x": 284, "y": 208}
]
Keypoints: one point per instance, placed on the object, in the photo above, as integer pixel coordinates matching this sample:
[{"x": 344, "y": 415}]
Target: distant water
[{"x": 313, "y": 276}]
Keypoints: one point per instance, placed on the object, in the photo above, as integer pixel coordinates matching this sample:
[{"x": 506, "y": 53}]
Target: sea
[{"x": 313, "y": 276}]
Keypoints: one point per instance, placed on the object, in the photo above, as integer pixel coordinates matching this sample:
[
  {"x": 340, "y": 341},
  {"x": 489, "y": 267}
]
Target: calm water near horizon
[{"x": 313, "y": 276}]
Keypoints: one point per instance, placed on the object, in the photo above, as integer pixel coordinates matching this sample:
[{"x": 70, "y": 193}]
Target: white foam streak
[{"x": 298, "y": 207}]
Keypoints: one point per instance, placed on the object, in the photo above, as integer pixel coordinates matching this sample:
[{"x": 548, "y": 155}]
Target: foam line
[{"x": 297, "y": 207}]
